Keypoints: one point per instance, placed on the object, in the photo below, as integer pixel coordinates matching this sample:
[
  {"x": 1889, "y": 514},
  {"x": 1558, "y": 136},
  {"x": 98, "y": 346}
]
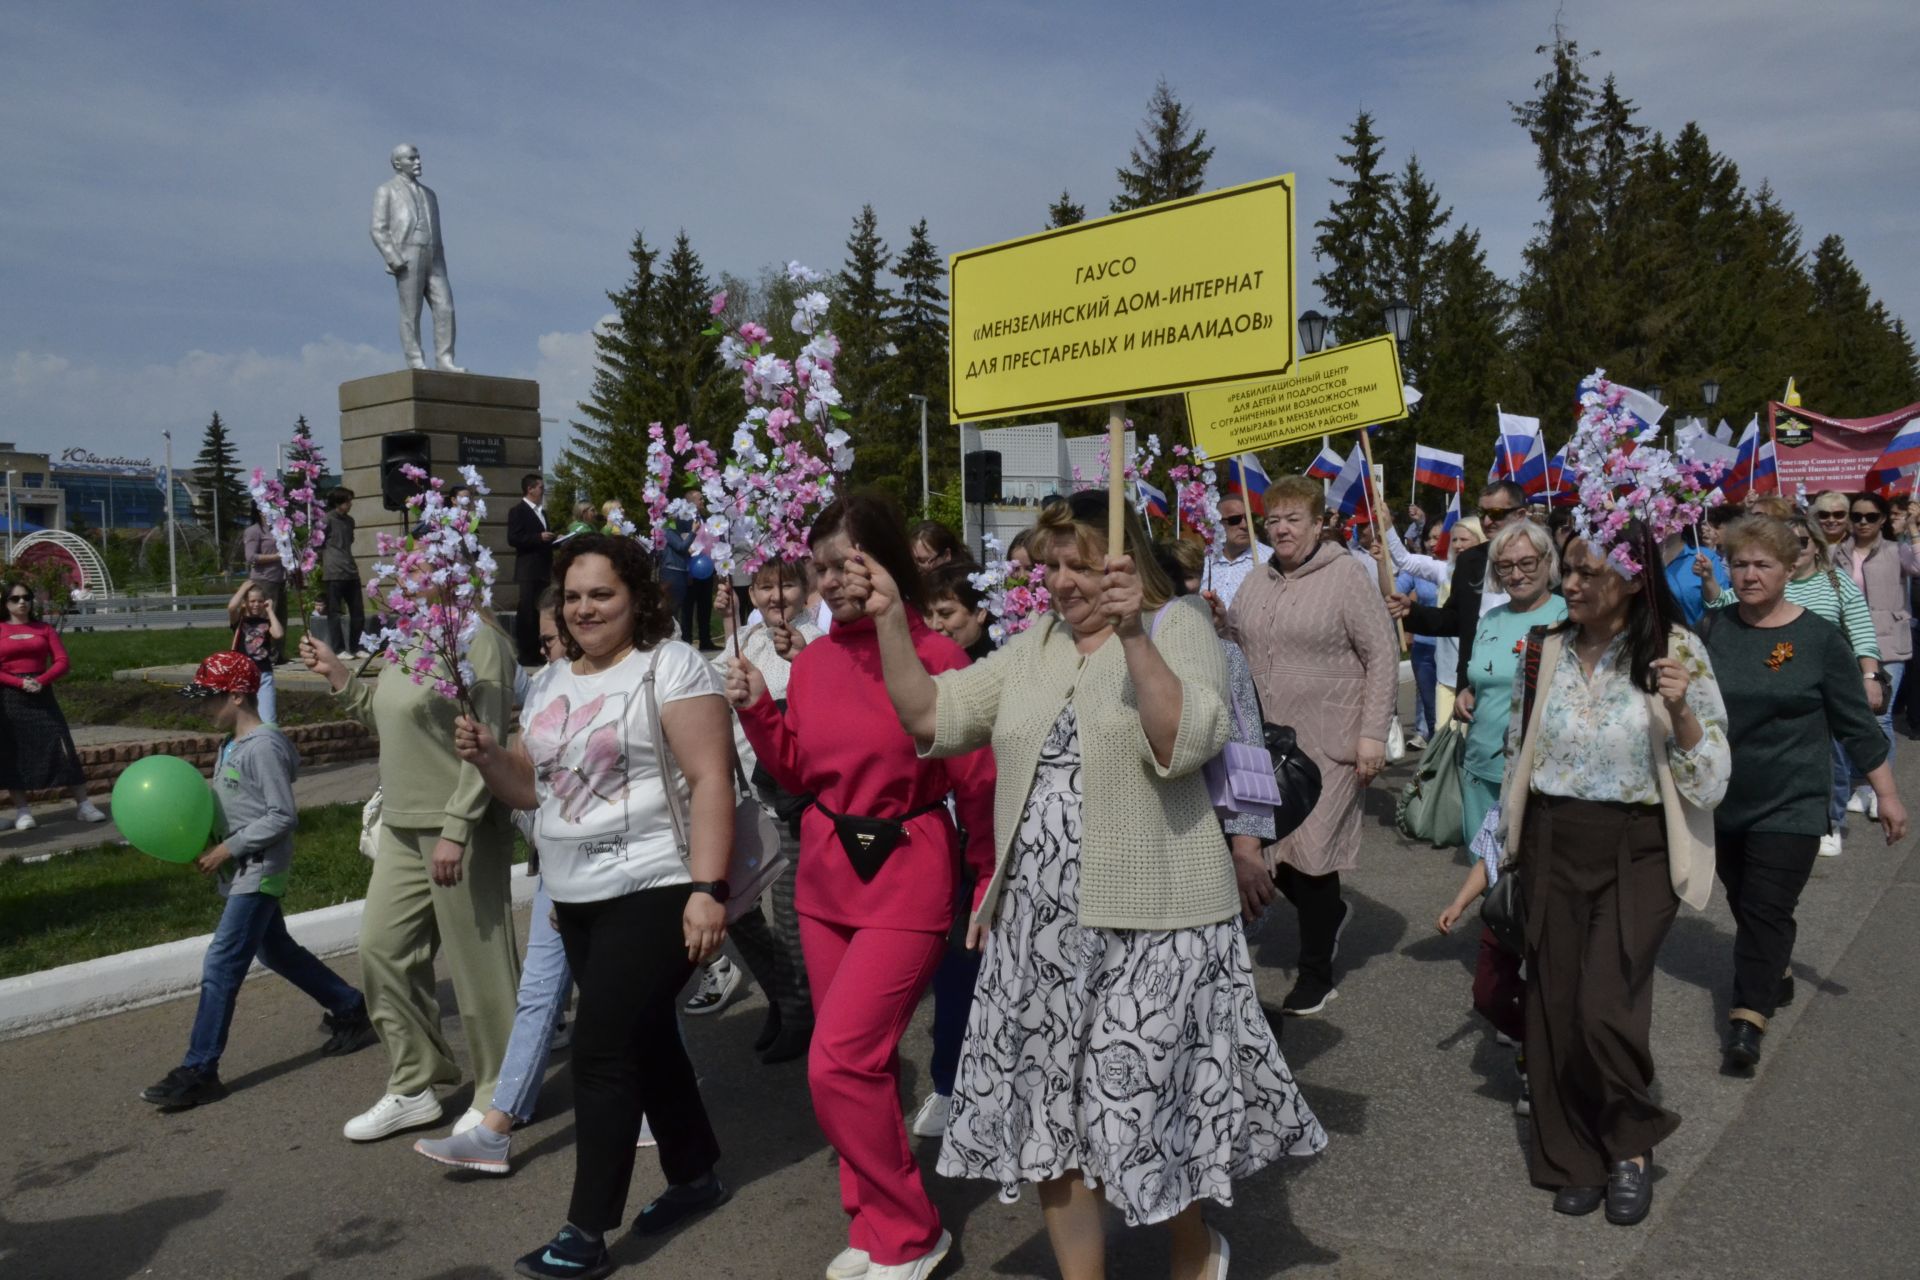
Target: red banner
[{"x": 1819, "y": 452}]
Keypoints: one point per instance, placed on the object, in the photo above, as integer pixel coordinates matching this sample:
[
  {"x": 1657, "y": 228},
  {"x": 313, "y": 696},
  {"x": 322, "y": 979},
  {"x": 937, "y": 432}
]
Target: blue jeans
[
  {"x": 265, "y": 700},
  {"x": 252, "y": 927},
  {"x": 545, "y": 981},
  {"x": 1425, "y": 678},
  {"x": 1896, "y": 671}
]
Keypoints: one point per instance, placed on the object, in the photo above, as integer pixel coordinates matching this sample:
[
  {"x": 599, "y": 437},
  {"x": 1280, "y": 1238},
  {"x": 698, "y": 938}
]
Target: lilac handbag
[{"x": 1240, "y": 779}]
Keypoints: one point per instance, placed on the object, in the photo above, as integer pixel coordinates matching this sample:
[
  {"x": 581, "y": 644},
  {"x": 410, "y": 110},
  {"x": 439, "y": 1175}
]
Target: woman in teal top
[{"x": 1521, "y": 563}]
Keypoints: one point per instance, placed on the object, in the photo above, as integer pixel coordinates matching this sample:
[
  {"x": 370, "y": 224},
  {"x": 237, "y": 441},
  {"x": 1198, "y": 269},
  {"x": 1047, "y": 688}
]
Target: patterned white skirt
[{"x": 1141, "y": 1059}]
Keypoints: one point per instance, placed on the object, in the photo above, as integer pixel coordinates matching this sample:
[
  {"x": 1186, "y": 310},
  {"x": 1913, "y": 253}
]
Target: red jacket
[
  {"x": 841, "y": 741},
  {"x": 31, "y": 649}
]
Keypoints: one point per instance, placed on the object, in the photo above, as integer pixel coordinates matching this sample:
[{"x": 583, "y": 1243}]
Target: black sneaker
[
  {"x": 678, "y": 1204},
  {"x": 568, "y": 1254},
  {"x": 348, "y": 1032},
  {"x": 1309, "y": 995},
  {"x": 185, "y": 1087}
]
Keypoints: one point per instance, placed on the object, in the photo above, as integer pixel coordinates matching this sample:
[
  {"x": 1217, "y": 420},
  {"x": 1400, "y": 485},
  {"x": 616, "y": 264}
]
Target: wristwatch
[{"x": 718, "y": 890}]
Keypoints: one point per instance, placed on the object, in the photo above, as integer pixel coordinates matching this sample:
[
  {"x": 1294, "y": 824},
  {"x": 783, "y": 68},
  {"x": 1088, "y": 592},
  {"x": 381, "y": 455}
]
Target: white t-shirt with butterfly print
[{"x": 603, "y": 828}]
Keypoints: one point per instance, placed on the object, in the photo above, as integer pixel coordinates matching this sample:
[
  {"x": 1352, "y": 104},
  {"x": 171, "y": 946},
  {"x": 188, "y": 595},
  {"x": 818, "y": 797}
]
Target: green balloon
[{"x": 164, "y": 808}]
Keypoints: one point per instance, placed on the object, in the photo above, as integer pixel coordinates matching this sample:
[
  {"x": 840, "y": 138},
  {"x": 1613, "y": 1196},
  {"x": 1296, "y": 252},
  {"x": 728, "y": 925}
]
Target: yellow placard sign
[
  {"x": 1144, "y": 303},
  {"x": 1339, "y": 389}
]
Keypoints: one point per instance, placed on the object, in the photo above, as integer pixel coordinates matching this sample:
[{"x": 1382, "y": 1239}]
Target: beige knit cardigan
[{"x": 1152, "y": 855}]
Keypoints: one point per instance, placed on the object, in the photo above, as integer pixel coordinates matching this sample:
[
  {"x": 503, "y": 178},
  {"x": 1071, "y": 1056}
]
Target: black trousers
[
  {"x": 1599, "y": 903},
  {"x": 1317, "y": 900},
  {"x": 696, "y": 613},
  {"x": 629, "y": 961},
  {"x": 526, "y": 623},
  {"x": 344, "y": 633},
  {"x": 1763, "y": 872}
]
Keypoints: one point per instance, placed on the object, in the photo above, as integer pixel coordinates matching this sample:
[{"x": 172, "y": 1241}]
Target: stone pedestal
[{"x": 492, "y": 424}]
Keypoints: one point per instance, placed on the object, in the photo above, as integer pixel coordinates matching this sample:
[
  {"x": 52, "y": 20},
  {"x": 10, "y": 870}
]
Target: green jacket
[{"x": 424, "y": 785}]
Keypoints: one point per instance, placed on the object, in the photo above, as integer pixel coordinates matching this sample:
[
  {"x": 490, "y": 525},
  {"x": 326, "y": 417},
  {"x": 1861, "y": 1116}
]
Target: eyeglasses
[
  {"x": 1867, "y": 517},
  {"x": 19, "y": 599},
  {"x": 1496, "y": 513},
  {"x": 1233, "y": 522},
  {"x": 1507, "y": 568}
]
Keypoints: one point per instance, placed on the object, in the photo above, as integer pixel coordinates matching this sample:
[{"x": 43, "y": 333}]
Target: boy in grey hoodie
[{"x": 253, "y": 785}]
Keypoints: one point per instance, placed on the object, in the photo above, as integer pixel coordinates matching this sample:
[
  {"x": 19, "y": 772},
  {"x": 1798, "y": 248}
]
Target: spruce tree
[
  {"x": 609, "y": 454},
  {"x": 1469, "y": 367},
  {"x": 222, "y": 489},
  {"x": 862, "y": 317},
  {"x": 920, "y": 335},
  {"x": 1064, "y": 212},
  {"x": 703, "y": 395},
  {"x": 1416, "y": 233},
  {"x": 1169, "y": 157},
  {"x": 1353, "y": 240}
]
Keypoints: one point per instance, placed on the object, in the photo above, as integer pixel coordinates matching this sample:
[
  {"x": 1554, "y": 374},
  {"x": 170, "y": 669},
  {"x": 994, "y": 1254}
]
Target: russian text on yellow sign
[
  {"x": 1143, "y": 303},
  {"x": 1339, "y": 389}
]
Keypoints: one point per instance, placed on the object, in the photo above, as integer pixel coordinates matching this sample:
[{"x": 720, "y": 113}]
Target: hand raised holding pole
[{"x": 867, "y": 583}]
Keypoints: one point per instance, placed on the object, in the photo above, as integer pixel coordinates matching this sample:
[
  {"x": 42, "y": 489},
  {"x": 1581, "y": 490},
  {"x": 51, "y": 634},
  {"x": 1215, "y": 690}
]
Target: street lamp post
[
  {"x": 9, "y": 515},
  {"x": 1399, "y": 317},
  {"x": 925, "y": 492},
  {"x": 1710, "y": 392},
  {"x": 1313, "y": 331},
  {"x": 173, "y": 566},
  {"x": 104, "y": 521}
]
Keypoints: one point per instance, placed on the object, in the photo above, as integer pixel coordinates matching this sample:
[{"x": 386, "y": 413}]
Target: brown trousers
[{"x": 1599, "y": 904}]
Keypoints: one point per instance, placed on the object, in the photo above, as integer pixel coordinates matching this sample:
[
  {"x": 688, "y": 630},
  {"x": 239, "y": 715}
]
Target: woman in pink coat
[{"x": 1326, "y": 661}]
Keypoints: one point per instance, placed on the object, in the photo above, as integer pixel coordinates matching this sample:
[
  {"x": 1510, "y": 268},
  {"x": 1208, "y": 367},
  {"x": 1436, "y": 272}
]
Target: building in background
[
  {"x": 37, "y": 502},
  {"x": 1037, "y": 462},
  {"x": 116, "y": 492}
]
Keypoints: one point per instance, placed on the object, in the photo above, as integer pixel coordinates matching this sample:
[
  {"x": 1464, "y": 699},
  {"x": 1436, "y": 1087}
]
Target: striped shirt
[{"x": 1832, "y": 596}]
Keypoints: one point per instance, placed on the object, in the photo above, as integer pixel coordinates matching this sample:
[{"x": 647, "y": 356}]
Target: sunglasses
[
  {"x": 1233, "y": 522},
  {"x": 1867, "y": 517},
  {"x": 1830, "y": 515},
  {"x": 1496, "y": 513}
]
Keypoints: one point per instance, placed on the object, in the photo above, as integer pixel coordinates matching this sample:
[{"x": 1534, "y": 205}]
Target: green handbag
[{"x": 1429, "y": 808}]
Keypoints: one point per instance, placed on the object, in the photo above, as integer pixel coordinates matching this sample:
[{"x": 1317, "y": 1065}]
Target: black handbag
[
  {"x": 1297, "y": 775},
  {"x": 1504, "y": 911}
]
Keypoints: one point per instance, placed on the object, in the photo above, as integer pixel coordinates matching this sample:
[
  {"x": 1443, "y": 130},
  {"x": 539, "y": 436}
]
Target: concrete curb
[{"x": 73, "y": 993}]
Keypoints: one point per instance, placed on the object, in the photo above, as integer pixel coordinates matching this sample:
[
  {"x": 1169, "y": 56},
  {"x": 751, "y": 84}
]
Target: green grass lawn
[
  {"x": 158, "y": 706},
  {"x": 77, "y": 906},
  {"x": 96, "y": 655}
]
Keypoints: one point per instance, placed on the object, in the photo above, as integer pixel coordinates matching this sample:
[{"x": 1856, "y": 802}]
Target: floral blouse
[{"x": 1593, "y": 742}]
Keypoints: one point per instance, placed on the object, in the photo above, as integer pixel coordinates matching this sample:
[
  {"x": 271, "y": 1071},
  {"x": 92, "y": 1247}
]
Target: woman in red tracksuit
[{"x": 873, "y": 922}]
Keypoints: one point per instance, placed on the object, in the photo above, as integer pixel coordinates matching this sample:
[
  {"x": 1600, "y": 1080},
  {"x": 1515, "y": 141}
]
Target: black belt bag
[{"x": 870, "y": 841}]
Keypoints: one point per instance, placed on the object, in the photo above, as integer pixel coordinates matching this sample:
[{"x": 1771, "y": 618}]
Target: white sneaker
[
  {"x": 88, "y": 811},
  {"x": 1416, "y": 743},
  {"x": 646, "y": 1135},
  {"x": 717, "y": 985},
  {"x": 468, "y": 1120},
  {"x": 394, "y": 1112},
  {"x": 1873, "y": 805},
  {"x": 849, "y": 1264},
  {"x": 930, "y": 1121},
  {"x": 1857, "y": 802},
  {"x": 1831, "y": 844},
  {"x": 918, "y": 1269},
  {"x": 23, "y": 820}
]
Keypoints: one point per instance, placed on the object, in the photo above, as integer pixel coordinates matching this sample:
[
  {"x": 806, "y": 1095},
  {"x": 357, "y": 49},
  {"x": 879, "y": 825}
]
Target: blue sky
[{"x": 184, "y": 221}]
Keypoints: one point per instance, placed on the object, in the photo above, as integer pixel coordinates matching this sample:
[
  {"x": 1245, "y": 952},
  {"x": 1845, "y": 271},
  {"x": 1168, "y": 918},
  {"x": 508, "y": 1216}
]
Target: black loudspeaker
[
  {"x": 401, "y": 449},
  {"x": 983, "y": 476}
]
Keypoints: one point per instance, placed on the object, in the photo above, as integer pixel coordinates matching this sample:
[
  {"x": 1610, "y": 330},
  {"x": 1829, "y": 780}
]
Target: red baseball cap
[{"x": 227, "y": 671}]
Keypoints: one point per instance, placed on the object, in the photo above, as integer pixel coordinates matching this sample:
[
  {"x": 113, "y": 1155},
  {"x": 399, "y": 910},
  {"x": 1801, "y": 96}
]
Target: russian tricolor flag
[
  {"x": 1152, "y": 500},
  {"x": 1327, "y": 465},
  {"x": 1348, "y": 492},
  {"x": 1242, "y": 471},
  {"x": 1519, "y": 453},
  {"x": 1562, "y": 488},
  {"x": 1901, "y": 454},
  {"x": 1744, "y": 477},
  {"x": 1444, "y": 539},
  {"x": 1439, "y": 468}
]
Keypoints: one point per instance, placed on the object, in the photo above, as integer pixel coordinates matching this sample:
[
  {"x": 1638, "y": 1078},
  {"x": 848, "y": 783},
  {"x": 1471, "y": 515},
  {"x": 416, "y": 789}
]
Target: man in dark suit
[
  {"x": 1501, "y": 501},
  {"x": 532, "y": 544}
]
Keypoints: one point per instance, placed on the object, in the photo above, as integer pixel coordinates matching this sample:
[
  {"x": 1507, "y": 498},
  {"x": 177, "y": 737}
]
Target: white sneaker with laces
[
  {"x": 930, "y": 1121},
  {"x": 849, "y": 1264},
  {"x": 23, "y": 821},
  {"x": 1857, "y": 802},
  {"x": 468, "y": 1120},
  {"x": 717, "y": 985},
  {"x": 394, "y": 1112},
  {"x": 1831, "y": 844},
  {"x": 919, "y": 1268},
  {"x": 88, "y": 811}
]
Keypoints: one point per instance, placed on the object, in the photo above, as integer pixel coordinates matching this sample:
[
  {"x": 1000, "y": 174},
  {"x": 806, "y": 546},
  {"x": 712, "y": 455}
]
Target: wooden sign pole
[
  {"x": 1380, "y": 532},
  {"x": 1116, "y": 483}
]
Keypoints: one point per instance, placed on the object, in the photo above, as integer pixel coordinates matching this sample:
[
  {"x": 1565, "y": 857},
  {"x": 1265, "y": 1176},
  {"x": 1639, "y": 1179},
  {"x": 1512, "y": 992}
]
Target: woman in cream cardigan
[{"x": 1115, "y": 995}]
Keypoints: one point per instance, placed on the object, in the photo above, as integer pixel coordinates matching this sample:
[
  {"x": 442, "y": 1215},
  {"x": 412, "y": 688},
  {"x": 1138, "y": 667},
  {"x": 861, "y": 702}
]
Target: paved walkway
[{"x": 1799, "y": 1172}]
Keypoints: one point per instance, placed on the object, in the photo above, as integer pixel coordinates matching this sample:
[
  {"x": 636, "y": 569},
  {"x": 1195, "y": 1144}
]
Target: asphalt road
[{"x": 1800, "y": 1171}]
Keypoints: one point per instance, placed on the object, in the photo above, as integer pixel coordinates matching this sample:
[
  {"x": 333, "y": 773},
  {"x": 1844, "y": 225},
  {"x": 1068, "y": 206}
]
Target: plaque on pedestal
[{"x": 464, "y": 419}]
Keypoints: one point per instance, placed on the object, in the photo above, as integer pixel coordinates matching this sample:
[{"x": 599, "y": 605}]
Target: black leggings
[
  {"x": 629, "y": 960},
  {"x": 345, "y": 634},
  {"x": 1317, "y": 900},
  {"x": 696, "y": 613}
]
